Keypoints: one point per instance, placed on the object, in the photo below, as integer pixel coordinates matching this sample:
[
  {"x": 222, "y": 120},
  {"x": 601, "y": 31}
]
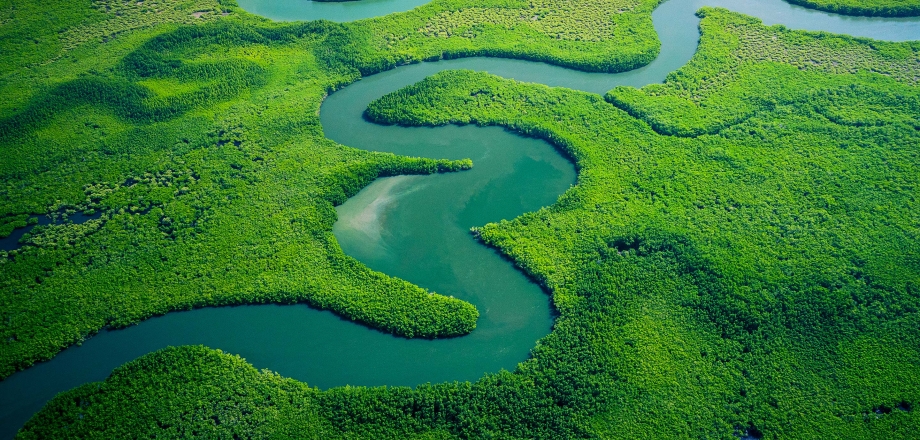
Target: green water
[
  {"x": 417, "y": 227},
  {"x": 413, "y": 227}
]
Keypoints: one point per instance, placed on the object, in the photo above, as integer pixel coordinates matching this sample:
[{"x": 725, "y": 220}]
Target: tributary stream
[{"x": 413, "y": 227}]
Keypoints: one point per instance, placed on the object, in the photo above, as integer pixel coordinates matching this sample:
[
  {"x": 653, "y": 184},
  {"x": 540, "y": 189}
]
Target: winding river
[{"x": 412, "y": 227}]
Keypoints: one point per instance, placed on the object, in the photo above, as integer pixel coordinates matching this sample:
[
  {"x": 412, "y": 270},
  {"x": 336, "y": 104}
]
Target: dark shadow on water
[
  {"x": 11, "y": 242},
  {"x": 749, "y": 433}
]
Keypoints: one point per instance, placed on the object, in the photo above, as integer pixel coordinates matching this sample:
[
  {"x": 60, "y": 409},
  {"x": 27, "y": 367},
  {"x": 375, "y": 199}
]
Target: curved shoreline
[
  {"x": 861, "y": 11},
  {"x": 770, "y": 11},
  {"x": 81, "y": 364}
]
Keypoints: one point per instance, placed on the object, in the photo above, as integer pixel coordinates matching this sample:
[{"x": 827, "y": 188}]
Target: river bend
[{"x": 430, "y": 247}]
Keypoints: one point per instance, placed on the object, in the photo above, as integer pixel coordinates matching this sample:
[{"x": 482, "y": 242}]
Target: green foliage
[
  {"x": 595, "y": 35},
  {"x": 13, "y": 222},
  {"x": 744, "y": 68},
  {"x": 757, "y": 270},
  {"x": 762, "y": 259},
  {"x": 218, "y": 395},
  {"x": 242, "y": 401},
  {"x": 200, "y": 147},
  {"x": 206, "y": 198},
  {"x": 209, "y": 81},
  {"x": 35, "y": 36},
  {"x": 879, "y": 8},
  {"x": 116, "y": 17}
]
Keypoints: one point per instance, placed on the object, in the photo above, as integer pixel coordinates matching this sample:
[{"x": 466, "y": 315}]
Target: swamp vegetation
[
  {"x": 739, "y": 256},
  {"x": 880, "y": 8}
]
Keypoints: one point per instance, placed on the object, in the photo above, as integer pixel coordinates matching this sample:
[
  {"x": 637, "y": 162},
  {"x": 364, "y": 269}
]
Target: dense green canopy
[
  {"x": 880, "y": 8},
  {"x": 739, "y": 255}
]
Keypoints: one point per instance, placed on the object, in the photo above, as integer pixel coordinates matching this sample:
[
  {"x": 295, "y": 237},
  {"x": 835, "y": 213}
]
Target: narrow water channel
[
  {"x": 413, "y": 227},
  {"x": 770, "y": 11}
]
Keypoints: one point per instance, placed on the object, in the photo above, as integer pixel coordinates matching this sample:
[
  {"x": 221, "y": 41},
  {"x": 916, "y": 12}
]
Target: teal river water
[{"x": 412, "y": 227}]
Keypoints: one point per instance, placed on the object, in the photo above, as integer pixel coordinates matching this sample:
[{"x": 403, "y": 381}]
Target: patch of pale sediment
[{"x": 372, "y": 206}]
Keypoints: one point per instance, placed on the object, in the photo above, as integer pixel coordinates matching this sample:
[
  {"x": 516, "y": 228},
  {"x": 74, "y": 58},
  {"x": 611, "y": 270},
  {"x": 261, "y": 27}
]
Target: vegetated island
[
  {"x": 876, "y": 8},
  {"x": 735, "y": 260}
]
